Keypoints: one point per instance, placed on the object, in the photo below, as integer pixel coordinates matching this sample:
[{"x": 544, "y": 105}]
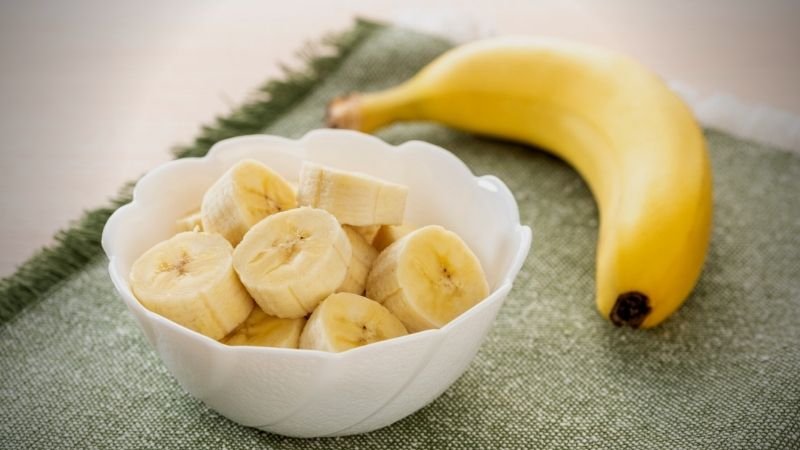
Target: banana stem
[{"x": 369, "y": 112}]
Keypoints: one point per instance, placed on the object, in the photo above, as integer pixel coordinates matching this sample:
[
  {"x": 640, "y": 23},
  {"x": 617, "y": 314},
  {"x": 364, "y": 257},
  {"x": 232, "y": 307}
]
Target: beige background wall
[{"x": 93, "y": 93}]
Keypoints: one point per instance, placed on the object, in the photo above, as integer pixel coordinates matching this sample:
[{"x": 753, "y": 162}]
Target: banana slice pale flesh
[
  {"x": 387, "y": 234},
  {"x": 292, "y": 260},
  {"x": 262, "y": 330},
  {"x": 427, "y": 278},
  {"x": 190, "y": 280},
  {"x": 354, "y": 198},
  {"x": 248, "y": 192},
  {"x": 344, "y": 321},
  {"x": 367, "y": 231},
  {"x": 190, "y": 222},
  {"x": 360, "y": 263}
]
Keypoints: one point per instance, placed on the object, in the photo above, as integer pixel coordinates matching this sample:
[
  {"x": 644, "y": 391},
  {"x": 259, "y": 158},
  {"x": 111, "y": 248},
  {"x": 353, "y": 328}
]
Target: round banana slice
[
  {"x": 292, "y": 260},
  {"x": 248, "y": 192},
  {"x": 189, "y": 279},
  {"x": 427, "y": 278},
  {"x": 262, "y": 330},
  {"x": 344, "y": 321},
  {"x": 354, "y": 198},
  {"x": 360, "y": 263}
]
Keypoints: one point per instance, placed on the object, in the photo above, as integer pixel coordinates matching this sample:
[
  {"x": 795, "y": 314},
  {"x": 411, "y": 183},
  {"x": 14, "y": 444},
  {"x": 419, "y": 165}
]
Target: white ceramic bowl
[{"x": 309, "y": 393}]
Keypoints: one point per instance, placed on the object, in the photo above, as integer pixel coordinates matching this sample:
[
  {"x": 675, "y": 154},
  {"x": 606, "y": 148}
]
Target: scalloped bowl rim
[{"x": 489, "y": 182}]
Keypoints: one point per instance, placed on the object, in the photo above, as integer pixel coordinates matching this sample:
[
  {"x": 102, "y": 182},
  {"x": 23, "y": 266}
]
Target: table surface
[{"x": 94, "y": 93}]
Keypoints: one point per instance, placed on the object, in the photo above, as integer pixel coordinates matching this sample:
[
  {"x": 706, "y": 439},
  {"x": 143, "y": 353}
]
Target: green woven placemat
[{"x": 75, "y": 371}]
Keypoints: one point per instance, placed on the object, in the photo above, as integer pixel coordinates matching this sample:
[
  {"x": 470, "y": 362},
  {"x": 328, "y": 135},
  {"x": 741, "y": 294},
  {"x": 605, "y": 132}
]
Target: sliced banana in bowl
[
  {"x": 387, "y": 234},
  {"x": 292, "y": 260},
  {"x": 368, "y": 232},
  {"x": 192, "y": 221},
  {"x": 354, "y": 198},
  {"x": 360, "y": 263},
  {"x": 248, "y": 192},
  {"x": 262, "y": 330},
  {"x": 345, "y": 321},
  {"x": 189, "y": 279},
  {"x": 427, "y": 278}
]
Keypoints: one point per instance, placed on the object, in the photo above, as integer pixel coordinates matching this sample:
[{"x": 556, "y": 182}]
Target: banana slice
[
  {"x": 427, "y": 278},
  {"x": 190, "y": 222},
  {"x": 248, "y": 192},
  {"x": 344, "y": 321},
  {"x": 292, "y": 260},
  {"x": 387, "y": 234},
  {"x": 360, "y": 263},
  {"x": 354, "y": 198},
  {"x": 367, "y": 231},
  {"x": 293, "y": 185},
  {"x": 189, "y": 279},
  {"x": 262, "y": 330}
]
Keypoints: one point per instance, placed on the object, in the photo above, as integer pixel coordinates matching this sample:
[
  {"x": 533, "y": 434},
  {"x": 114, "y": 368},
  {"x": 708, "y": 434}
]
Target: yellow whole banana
[{"x": 629, "y": 136}]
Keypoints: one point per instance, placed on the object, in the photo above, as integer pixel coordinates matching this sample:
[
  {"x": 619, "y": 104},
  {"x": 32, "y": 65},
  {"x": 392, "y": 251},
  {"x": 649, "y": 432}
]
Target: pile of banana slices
[{"x": 328, "y": 265}]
